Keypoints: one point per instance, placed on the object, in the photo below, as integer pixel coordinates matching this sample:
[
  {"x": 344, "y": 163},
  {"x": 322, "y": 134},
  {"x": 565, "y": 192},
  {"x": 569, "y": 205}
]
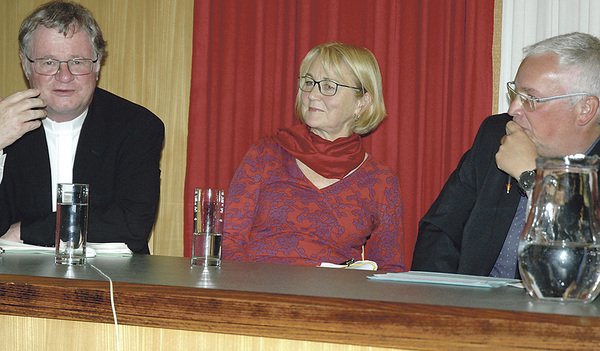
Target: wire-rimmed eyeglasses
[
  {"x": 326, "y": 87},
  {"x": 528, "y": 102},
  {"x": 49, "y": 67}
]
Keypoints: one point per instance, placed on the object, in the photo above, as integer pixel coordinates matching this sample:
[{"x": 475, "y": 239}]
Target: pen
[
  {"x": 508, "y": 180},
  {"x": 347, "y": 263}
]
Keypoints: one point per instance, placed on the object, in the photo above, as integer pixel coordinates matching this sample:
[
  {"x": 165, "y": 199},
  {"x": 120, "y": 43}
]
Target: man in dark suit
[
  {"x": 475, "y": 224},
  {"x": 88, "y": 136}
]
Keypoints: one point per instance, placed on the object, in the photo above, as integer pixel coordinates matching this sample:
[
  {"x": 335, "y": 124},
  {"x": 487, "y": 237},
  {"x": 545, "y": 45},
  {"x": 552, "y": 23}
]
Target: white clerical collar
[{"x": 57, "y": 127}]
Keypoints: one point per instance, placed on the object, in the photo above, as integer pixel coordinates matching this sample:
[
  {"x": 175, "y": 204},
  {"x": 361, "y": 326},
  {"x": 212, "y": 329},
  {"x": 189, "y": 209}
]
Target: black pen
[{"x": 347, "y": 263}]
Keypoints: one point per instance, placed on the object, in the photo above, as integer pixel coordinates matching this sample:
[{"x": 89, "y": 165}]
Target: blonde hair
[{"x": 367, "y": 77}]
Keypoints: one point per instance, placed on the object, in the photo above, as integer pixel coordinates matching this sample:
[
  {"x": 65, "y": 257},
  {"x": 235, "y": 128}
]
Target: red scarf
[{"x": 331, "y": 159}]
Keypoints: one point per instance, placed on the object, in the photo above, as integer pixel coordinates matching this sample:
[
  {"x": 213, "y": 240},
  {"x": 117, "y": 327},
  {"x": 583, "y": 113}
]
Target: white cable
[{"x": 112, "y": 302}]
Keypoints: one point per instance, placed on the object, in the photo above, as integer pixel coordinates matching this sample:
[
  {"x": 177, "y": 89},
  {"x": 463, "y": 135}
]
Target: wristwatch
[{"x": 527, "y": 180}]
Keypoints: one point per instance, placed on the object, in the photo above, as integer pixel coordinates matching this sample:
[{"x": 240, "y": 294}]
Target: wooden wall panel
[
  {"x": 148, "y": 62},
  {"x": 27, "y": 333},
  {"x": 496, "y": 47}
]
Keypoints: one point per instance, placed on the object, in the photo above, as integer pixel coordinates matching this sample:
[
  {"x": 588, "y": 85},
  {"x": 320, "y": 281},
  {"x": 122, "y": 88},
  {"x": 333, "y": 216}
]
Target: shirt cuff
[{"x": 2, "y": 158}]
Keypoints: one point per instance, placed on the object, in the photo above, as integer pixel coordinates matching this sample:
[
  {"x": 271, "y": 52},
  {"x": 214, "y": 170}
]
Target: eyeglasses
[
  {"x": 49, "y": 67},
  {"x": 326, "y": 86},
  {"x": 528, "y": 102}
]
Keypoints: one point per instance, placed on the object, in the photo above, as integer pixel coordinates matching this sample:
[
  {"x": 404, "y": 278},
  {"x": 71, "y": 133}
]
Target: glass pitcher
[{"x": 558, "y": 251}]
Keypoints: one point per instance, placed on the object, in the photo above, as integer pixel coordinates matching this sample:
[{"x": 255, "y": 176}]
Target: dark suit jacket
[
  {"x": 118, "y": 155},
  {"x": 465, "y": 228}
]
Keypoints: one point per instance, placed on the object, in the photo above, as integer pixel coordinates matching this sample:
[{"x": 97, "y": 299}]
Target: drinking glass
[
  {"x": 71, "y": 223},
  {"x": 208, "y": 227}
]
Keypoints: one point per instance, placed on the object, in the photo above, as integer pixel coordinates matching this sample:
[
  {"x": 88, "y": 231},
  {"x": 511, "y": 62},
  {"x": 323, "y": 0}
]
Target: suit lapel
[
  {"x": 37, "y": 151},
  {"x": 596, "y": 149},
  {"x": 91, "y": 144},
  {"x": 492, "y": 215},
  {"x": 27, "y": 159},
  {"x": 487, "y": 235}
]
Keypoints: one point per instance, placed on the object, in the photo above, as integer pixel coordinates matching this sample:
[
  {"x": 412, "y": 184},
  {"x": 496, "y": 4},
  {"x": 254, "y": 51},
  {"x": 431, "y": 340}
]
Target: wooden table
[{"x": 272, "y": 304}]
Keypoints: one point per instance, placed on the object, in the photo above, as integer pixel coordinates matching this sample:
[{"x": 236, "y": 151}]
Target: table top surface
[{"x": 287, "y": 280}]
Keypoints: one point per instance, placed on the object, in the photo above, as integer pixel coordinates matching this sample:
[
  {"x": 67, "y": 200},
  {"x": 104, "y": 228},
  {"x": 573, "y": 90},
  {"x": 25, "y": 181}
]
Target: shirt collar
[
  {"x": 73, "y": 124},
  {"x": 589, "y": 150}
]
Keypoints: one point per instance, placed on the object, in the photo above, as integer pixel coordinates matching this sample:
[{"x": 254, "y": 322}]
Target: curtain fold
[{"x": 436, "y": 62}]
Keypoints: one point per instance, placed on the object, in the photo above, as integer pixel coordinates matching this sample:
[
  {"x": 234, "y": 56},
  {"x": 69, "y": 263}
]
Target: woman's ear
[
  {"x": 363, "y": 103},
  {"x": 588, "y": 110}
]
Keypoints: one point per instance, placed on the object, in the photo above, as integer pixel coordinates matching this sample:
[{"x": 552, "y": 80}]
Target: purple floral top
[{"x": 275, "y": 214}]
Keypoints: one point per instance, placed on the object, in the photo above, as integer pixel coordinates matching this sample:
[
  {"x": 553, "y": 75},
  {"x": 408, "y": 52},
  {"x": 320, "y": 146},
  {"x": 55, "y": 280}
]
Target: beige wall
[{"x": 149, "y": 62}]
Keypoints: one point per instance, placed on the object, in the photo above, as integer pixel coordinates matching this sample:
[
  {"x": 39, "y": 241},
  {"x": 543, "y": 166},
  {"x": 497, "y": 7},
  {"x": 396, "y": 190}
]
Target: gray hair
[
  {"x": 66, "y": 17},
  {"x": 578, "y": 53}
]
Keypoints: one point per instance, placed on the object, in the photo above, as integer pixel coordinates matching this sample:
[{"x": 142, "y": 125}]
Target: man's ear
[
  {"x": 588, "y": 110},
  {"x": 24, "y": 64}
]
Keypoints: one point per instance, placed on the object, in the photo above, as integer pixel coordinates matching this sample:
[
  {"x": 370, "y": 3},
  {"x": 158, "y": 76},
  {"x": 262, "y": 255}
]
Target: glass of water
[
  {"x": 209, "y": 206},
  {"x": 71, "y": 223}
]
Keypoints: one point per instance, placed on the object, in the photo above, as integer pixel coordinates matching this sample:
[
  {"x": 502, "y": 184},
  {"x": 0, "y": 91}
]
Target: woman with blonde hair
[{"x": 310, "y": 193}]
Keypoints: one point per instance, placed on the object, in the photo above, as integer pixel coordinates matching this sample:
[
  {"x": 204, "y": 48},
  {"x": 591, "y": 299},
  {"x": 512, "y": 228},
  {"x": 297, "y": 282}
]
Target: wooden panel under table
[{"x": 292, "y": 302}]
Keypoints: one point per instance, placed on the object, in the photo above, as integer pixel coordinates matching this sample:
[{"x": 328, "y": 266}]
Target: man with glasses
[
  {"x": 88, "y": 135},
  {"x": 475, "y": 224}
]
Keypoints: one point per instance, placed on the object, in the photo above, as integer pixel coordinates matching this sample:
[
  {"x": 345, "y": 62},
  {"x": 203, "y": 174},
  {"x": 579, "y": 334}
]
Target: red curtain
[{"x": 436, "y": 62}]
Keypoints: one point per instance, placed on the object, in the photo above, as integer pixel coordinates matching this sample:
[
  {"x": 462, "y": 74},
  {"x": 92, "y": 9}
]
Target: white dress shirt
[
  {"x": 62, "y": 141},
  {"x": 2, "y": 158}
]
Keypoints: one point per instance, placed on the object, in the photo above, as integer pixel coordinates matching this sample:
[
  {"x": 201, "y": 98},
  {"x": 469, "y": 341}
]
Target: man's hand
[
  {"x": 517, "y": 153},
  {"x": 13, "y": 233},
  {"x": 20, "y": 113}
]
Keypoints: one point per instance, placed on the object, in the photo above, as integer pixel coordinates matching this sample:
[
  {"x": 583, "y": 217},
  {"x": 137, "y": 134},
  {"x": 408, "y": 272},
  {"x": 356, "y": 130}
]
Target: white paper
[
  {"x": 362, "y": 265},
  {"x": 92, "y": 249},
  {"x": 445, "y": 279}
]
